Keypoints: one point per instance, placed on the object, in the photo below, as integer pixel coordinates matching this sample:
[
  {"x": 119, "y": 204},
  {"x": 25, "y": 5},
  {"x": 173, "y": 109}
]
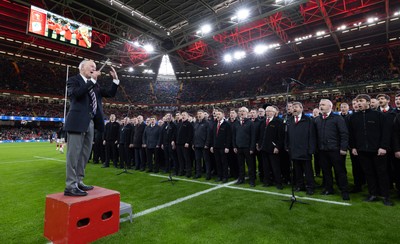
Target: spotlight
[
  {"x": 130, "y": 69},
  {"x": 243, "y": 14},
  {"x": 239, "y": 55},
  {"x": 136, "y": 43},
  {"x": 205, "y": 29},
  {"x": 260, "y": 49},
  {"x": 228, "y": 58},
  {"x": 149, "y": 48}
]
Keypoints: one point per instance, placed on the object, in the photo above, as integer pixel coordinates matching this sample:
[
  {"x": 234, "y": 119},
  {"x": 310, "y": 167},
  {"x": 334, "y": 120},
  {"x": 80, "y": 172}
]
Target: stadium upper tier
[{"x": 362, "y": 67}]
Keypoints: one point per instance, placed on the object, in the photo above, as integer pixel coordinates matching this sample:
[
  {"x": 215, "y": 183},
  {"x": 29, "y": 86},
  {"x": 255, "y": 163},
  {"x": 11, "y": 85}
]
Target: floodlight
[
  {"x": 149, "y": 48},
  {"x": 243, "y": 14},
  {"x": 239, "y": 55},
  {"x": 260, "y": 49},
  {"x": 130, "y": 69},
  {"x": 228, "y": 58},
  {"x": 206, "y": 29}
]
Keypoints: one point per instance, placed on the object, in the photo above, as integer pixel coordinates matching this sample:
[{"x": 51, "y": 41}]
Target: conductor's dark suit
[{"x": 80, "y": 123}]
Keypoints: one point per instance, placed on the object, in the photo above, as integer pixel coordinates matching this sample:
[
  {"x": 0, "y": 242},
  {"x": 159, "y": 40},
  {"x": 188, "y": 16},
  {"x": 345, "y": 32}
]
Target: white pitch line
[
  {"x": 52, "y": 159},
  {"x": 179, "y": 200},
  {"x": 261, "y": 191},
  {"x": 180, "y": 179},
  {"x": 21, "y": 161},
  {"x": 289, "y": 195}
]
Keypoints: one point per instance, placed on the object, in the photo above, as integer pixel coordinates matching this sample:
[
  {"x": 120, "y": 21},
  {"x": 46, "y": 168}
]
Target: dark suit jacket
[
  {"x": 151, "y": 136},
  {"x": 138, "y": 136},
  {"x": 168, "y": 133},
  {"x": 80, "y": 110},
  {"x": 111, "y": 132},
  {"x": 301, "y": 138},
  {"x": 271, "y": 136},
  {"x": 224, "y": 137},
  {"x": 184, "y": 133},
  {"x": 244, "y": 135}
]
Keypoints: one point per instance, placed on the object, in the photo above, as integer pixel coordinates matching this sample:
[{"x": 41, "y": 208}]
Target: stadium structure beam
[
  {"x": 275, "y": 26},
  {"x": 387, "y": 19},
  {"x": 278, "y": 9},
  {"x": 328, "y": 22}
]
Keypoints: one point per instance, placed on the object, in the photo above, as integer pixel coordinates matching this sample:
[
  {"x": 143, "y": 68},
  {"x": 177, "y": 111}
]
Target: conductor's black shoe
[
  {"x": 387, "y": 202},
  {"x": 327, "y": 193},
  {"x": 371, "y": 199},
  {"x": 74, "y": 192},
  {"x": 345, "y": 196},
  {"x": 84, "y": 187}
]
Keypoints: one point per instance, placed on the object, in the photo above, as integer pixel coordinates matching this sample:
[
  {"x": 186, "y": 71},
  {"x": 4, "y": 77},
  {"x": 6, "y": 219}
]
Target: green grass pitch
[{"x": 30, "y": 171}]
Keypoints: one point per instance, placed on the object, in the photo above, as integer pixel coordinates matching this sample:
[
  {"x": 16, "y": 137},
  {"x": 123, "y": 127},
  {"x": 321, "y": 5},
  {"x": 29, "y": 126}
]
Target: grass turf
[{"x": 30, "y": 171}]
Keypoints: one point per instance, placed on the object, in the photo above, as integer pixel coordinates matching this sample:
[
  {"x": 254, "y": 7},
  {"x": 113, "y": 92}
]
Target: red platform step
[{"x": 81, "y": 219}]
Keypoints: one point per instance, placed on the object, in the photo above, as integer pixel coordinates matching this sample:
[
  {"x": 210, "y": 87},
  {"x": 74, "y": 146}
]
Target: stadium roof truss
[{"x": 300, "y": 29}]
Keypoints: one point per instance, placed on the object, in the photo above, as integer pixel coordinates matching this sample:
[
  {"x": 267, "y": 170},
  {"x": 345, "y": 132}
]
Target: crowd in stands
[
  {"x": 350, "y": 68},
  {"x": 14, "y": 133}
]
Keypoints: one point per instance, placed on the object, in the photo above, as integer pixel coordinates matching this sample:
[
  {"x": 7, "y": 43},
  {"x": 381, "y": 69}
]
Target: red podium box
[{"x": 81, "y": 219}]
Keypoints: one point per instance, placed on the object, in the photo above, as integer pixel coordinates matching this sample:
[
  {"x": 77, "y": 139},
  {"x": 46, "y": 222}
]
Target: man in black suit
[
  {"x": 300, "y": 142},
  {"x": 124, "y": 142},
  {"x": 184, "y": 140},
  {"x": 85, "y": 114},
  {"x": 200, "y": 145},
  {"x": 221, "y": 141},
  {"x": 370, "y": 140},
  {"x": 332, "y": 142},
  {"x": 244, "y": 145},
  {"x": 151, "y": 141},
  {"x": 271, "y": 142},
  {"x": 396, "y": 143},
  {"x": 140, "y": 160},
  {"x": 111, "y": 136},
  {"x": 168, "y": 138}
]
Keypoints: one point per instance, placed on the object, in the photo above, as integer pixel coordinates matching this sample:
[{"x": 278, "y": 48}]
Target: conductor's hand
[
  {"x": 113, "y": 73},
  {"x": 95, "y": 74}
]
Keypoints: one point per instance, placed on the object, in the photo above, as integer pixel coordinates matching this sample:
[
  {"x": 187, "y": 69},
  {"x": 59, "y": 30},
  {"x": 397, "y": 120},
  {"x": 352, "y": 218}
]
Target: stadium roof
[{"x": 291, "y": 31}]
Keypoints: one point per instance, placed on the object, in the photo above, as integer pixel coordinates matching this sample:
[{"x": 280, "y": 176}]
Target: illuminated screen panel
[{"x": 58, "y": 28}]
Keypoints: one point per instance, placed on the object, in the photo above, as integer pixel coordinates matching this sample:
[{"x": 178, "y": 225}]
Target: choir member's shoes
[
  {"x": 84, "y": 187},
  {"x": 197, "y": 176},
  {"x": 327, "y": 193},
  {"x": 345, "y": 196},
  {"x": 239, "y": 182},
  {"x": 279, "y": 187},
  {"x": 208, "y": 178},
  {"x": 225, "y": 180},
  {"x": 105, "y": 166},
  {"x": 252, "y": 184},
  {"x": 297, "y": 189},
  {"x": 371, "y": 199},
  {"x": 218, "y": 179},
  {"x": 387, "y": 202},
  {"x": 310, "y": 192},
  {"x": 74, "y": 192}
]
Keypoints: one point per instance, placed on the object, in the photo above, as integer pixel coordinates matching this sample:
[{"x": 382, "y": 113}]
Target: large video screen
[{"x": 58, "y": 28}]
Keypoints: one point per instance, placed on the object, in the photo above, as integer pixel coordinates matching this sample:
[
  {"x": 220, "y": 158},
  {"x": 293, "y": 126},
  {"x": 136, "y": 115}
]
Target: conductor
[{"x": 85, "y": 114}]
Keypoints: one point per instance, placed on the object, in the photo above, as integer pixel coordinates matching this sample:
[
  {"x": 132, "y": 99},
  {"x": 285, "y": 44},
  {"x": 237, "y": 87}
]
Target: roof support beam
[{"x": 328, "y": 22}]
